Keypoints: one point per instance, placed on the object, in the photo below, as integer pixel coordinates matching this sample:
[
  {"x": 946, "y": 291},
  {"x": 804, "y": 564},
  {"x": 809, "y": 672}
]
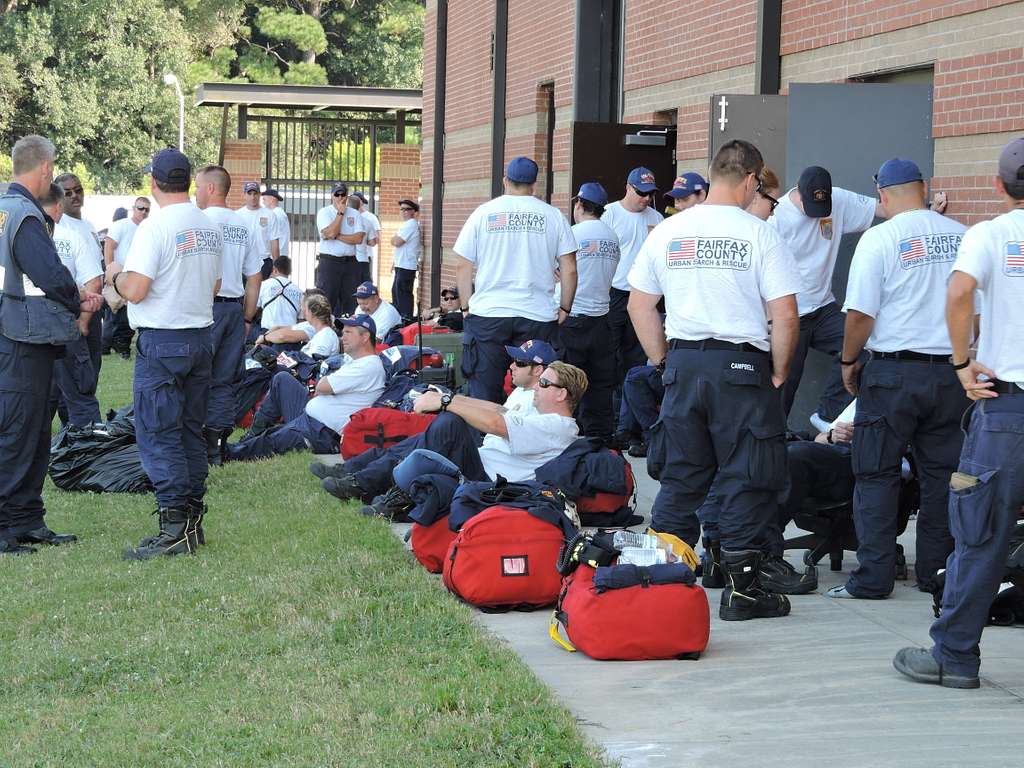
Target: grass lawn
[{"x": 302, "y": 635}]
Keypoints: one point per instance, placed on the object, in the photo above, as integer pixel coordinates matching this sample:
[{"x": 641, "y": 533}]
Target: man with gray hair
[{"x": 39, "y": 309}]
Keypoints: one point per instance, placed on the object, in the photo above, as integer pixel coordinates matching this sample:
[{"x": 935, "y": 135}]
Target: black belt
[
  {"x": 227, "y": 299},
  {"x": 333, "y": 257},
  {"x": 713, "y": 344},
  {"x": 917, "y": 357},
  {"x": 1005, "y": 387}
]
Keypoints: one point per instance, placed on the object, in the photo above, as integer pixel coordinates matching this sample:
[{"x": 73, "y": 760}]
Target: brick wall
[
  {"x": 399, "y": 179},
  {"x": 243, "y": 159}
]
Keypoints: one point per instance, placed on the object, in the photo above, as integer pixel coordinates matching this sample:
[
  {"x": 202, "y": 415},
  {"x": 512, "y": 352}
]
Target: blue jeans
[
  {"x": 981, "y": 518},
  {"x": 171, "y": 390}
]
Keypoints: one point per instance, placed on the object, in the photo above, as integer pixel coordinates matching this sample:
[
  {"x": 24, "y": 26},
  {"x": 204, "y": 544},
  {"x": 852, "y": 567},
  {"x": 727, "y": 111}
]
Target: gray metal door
[
  {"x": 761, "y": 120},
  {"x": 851, "y": 129}
]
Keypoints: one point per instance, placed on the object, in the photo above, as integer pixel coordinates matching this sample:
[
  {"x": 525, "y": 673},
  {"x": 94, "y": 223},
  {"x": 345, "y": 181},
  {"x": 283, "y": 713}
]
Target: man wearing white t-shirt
[
  {"x": 74, "y": 377},
  {"x": 117, "y": 333},
  {"x": 514, "y": 444},
  {"x": 341, "y": 229},
  {"x": 366, "y": 251},
  {"x": 169, "y": 279},
  {"x": 513, "y": 243},
  {"x": 281, "y": 229},
  {"x": 632, "y": 218},
  {"x": 987, "y": 492},
  {"x": 260, "y": 220},
  {"x": 407, "y": 256},
  {"x": 723, "y": 274},
  {"x": 280, "y": 298},
  {"x": 384, "y": 315},
  {"x": 909, "y": 394},
  {"x": 234, "y": 306},
  {"x": 317, "y": 423},
  {"x": 583, "y": 337}
]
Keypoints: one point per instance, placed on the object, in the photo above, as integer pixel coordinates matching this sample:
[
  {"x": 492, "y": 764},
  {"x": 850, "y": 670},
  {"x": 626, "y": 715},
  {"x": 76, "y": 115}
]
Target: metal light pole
[{"x": 171, "y": 79}]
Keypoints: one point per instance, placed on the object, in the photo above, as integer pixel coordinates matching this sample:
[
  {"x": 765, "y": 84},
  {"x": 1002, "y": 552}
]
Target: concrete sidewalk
[{"x": 816, "y": 686}]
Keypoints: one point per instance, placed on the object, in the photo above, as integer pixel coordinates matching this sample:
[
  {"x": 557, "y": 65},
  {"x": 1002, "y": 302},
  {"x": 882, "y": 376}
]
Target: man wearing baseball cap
[
  {"x": 169, "y": 279},
  {"x": 261, "y": 223},
  {"x": 688, "y": 190},
  {"x": 987, "y": 492},
  {"x": 280, "y": 229},
  {"x": 507, "y": 252},
  {"x": 385, "y": 316},
  {"x": 317, "y": 423},
  {"x": 406, "y": 242},
  {"x": 631, "y": 219},
  {"x": 338, "y": 271},
  {"x": 583, "y": 337},
  {"x": 907, "y": 392}
]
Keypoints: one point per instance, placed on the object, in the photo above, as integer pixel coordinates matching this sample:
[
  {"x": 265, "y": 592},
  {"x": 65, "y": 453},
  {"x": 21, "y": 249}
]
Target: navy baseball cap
[
  {"x": 340, "y": 187},
  {"x": 1011, "y": 163},
  {"x": 686, "y": 185},
  {"x": 361, "y": 321},
  {"x": 365, "y": 290},
  {"x": 642, "y": 179},
  {"x": 251, "y": 186},
  {"x": 169, "y": 166},
  {"x": 593, "y": 192},
  {"x": 815, "y": 188},
  {"x": 534, "y": 351},
  {"x": 361, "y": 197},
  {"x": 522, "y": 170},
  {"x": 897, "y": 171},
  {"x": 273, "y": 193}
]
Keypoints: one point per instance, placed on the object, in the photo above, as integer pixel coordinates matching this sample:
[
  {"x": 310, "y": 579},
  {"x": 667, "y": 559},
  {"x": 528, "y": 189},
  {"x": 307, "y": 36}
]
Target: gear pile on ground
[{"x": 102, "y": 458}]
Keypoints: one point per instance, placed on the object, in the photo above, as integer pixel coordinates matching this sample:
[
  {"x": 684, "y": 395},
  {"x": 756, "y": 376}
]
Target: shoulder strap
[{"x": 282, "y": 294}]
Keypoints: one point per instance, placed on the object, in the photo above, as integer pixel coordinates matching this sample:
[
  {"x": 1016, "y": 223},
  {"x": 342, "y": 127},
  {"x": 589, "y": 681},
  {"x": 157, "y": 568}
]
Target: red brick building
[{"x": 666, "y": 60}]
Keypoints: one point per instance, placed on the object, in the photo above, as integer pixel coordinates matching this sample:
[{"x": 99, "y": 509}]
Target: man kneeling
[
  {"x": 514, "y": 444},
  {"x": 317, "y": 423}
]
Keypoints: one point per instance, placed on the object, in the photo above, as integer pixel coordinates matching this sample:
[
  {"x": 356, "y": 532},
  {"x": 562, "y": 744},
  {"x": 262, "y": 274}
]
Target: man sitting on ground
[
  {"x": 317, "y": 423},
  {"x": 279, "y": 296},
  {"x": 514, "y": 445},
  {"x": 383, "y": 313}
]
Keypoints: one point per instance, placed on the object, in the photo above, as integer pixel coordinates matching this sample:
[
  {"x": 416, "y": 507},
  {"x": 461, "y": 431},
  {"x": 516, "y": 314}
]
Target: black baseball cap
[
  {"x": 274, "y": 194},
  {"x": 815, "y": 187},
  {"x": 411, "y": 203},
  {"x": 340, "y": 187}
]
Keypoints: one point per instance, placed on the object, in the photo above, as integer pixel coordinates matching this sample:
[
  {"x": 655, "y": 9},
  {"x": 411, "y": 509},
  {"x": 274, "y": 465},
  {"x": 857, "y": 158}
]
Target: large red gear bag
[
  {"x": 657, "y": 621},
  {"x": 602, "y": 503},
  {"x": 380, "y": 428},
  {"x": 430, "y": 543},
  {"x": 505, "y": 558}
]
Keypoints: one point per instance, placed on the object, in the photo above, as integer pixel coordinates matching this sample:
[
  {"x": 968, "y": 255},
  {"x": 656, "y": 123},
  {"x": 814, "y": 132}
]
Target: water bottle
[
  {"x": 622, "y": 539},
  {"x": 638, "y": 556}
]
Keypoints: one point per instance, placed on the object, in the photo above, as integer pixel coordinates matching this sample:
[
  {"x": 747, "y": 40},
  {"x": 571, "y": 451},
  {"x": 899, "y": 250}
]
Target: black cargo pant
[
  {"x": 822, "y": 330},
  {"x": 901, "y": 403},
  {"x": 583, "y": 342},
  {"x": 722, "y": 421},
  {"x": 338, "y": 277}
]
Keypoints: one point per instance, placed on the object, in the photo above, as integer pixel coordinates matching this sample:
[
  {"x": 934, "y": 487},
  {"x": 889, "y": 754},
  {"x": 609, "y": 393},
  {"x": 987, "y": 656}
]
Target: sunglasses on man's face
[
  {"x": 545, "y": 383},
  {"x": 644, "y": 194},
  {"x": 406, "y": 210},
  {"x": 522, "y": 363},
  {"x": 74, "y": 191},
  {"x": 448, "y": 297},
  {"x": 340, "y": 194},
  {"x": 771, "y": 201},
  {"x": 142, "y": 208}
]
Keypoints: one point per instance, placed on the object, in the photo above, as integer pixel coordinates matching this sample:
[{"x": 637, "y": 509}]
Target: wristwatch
[{"x": 446, "y": 400}]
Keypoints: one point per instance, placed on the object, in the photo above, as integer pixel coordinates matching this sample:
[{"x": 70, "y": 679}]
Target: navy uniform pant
[
  {"x": 583, "y": 342},
  {"x": 981, "y": 517},
  {"x": 642, "y": 393},
  {"x": 903, "y": 403},
  {"x": 484, "y": 360},
  {"x": 722, "y": 422},
  {"x": 822, "y": 330},
  {"x": 818, "y": 473},
  {"x": 447, "y": 435},
  {"x": 401, "y": 291},
  {"x": 622, "y": 340},
  {"x": 25, "y": 415},
  {"x": 228, "y": 337},
  {"x": 286, "y": 401},
  {"x": 171, "y": 388},
  {"x": 338, "y": 277},
  {"x": 74, "y": 385}
]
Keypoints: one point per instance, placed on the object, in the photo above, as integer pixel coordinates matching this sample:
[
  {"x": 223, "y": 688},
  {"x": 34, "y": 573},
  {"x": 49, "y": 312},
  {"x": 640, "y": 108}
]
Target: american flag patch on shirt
[
  {"x": 185, "y": 241},
  {"x": 681, "y": 251},
  {"x": 912, "y": 249},
  {"x": 1014, "y": 258},
  {"x": 497, "y": 221},
  {"x": 589, "y": 246}
]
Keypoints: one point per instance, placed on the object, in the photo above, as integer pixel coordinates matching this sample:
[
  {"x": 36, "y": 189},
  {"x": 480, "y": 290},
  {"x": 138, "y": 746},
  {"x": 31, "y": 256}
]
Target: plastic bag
[{"x": 101, "y": 458}]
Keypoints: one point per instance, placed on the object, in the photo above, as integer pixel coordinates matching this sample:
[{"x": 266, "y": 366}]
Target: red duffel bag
[
  {"x": 602, "y": 503},
  {"x": 634, "y": 623},
  {"x": 380, "y": 428},
  {"x": 411, "y": 331},
  {"x": 430, "y": 543},
  {"x": 505, "y": 558}
]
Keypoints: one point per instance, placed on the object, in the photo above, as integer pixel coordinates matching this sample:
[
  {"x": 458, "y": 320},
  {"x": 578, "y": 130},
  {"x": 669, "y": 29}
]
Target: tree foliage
[{"x": 89, "y": 73}]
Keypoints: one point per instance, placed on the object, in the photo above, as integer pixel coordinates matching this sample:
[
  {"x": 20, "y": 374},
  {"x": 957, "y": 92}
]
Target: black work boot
[
  {"x": 214, "y": 457},
  {"x": 777, "y": 575},
  {"x": 198, "y": 510},
  {"x": 744, "y": 597},
  {"x": 393, "y": 505},
  {"x": 177, "y": 536},
  {"x": 161, "y": 521},
  {"x": 713, "y": 576},
  {"x": 321, "y": 470},
  {"x": 258, "y": 427},
  {"x": 345, "y": 487}
]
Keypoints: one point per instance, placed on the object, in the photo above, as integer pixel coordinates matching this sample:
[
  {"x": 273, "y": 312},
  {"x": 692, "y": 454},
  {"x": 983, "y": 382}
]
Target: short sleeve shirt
[
  {"x": 514, "y": 241},
  {"x": 898, "y": 276},
  {"x": 324, "y": 218},
  {"x": 280, "y": 299},
  {"x": 597, "y": 258},
  {"x": 717, "y": 266},
  {"x": 385, "y": 317},
  {"x": 283, "y": 230},
  {"x": 353, "y": 224},
  {"x": 356, "y": 385},
  {"x": 533, "y": 440},
  {"x": 815, "y": 242},
  {"x": 121, "y": 232},
  {"x": 407, "y": 256},
  {"x": 242, "y": 256},
  {"x": 77, "y": 251},
  {"x": 260, "y": 221},
  {"x": 323, "y": 343},
  {"x": 632, "y": 229},
  {"x": 179, "y": 248},
  {"x": 372, "y": 224},
  {"x": 992, "y": 252}
]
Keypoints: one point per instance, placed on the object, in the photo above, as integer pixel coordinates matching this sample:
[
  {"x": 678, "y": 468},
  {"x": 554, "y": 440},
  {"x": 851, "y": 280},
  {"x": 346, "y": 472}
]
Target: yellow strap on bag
[
  {"x": 680, "y": 548},
  {"x": 554, "y": 634}
]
